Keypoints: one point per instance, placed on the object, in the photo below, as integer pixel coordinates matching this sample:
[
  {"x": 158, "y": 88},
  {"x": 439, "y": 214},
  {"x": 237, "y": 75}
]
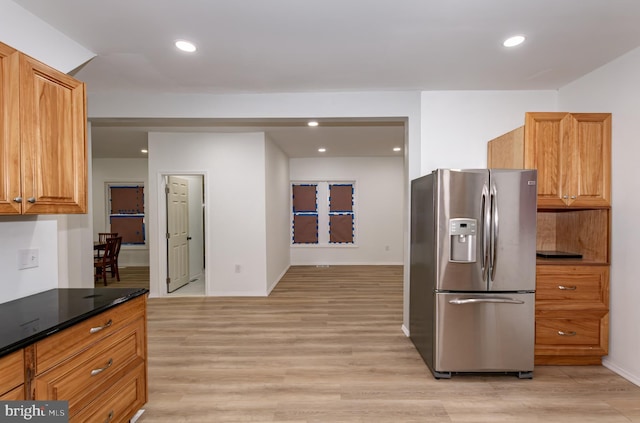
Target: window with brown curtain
[
  {"x": 126, "y": 213},
  {"x": 341, "y": 216},
  {"x": 305, "y": 213},
  {"x": 323, "y": 213}
]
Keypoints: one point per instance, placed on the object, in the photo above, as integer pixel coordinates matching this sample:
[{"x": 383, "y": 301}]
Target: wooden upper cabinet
[
  {"x": 591, "y": 137},
  {"x": 44, "y": 153},
  {"x": 9, "y": 132},
  {"x": 571, "y": 151}
]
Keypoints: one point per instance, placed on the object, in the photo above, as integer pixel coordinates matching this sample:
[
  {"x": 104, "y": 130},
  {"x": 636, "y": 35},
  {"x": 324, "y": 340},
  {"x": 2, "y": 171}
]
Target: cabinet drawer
[
  {"x": 80, "y": 380},
  {"x": 15, "y": 394},
  {"x": 118, "y": 403},
  {"x": 69, "y": 342},
  {"x": 11, "y": 371},
  {"x": 573, "y": 284},
  {"x": 568, "y": 332}
]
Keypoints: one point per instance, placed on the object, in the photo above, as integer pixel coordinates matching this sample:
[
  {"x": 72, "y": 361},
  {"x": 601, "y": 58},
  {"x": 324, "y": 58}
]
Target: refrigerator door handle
[
  {"x": 493, "y": 244},
  {"x": 494, "y": 300},
  {"x": 485, "y": 219}
]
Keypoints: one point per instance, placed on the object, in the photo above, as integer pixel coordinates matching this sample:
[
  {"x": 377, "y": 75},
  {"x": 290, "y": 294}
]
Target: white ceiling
[{"x": 340, "y": 45}]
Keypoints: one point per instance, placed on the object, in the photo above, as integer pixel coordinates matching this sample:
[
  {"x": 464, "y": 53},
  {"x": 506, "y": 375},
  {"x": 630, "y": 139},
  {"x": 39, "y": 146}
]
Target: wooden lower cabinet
[
  {"x": 572, "y": 314},
  {"x": 12, "y": 376},
  {"x": 118, "y": 403},
  {"x": 15, "y": 394},
  {"x": 98, "y": 365}
]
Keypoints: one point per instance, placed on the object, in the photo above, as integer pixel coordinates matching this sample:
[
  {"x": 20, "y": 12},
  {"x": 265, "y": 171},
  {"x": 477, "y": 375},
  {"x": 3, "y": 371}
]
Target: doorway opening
[{"x": 185, "y": 240}]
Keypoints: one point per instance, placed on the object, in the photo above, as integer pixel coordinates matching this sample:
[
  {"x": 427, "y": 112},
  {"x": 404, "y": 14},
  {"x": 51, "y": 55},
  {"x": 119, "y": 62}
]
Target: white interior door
[{"x": 177, "y": 232}]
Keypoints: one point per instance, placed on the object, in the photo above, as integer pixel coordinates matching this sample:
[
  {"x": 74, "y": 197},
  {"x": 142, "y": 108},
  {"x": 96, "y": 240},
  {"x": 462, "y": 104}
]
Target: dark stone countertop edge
[{"x": 32, "y": 339}]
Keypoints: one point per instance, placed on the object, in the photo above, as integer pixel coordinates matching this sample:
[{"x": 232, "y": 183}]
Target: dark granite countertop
[{"x": 30, "y": 319}]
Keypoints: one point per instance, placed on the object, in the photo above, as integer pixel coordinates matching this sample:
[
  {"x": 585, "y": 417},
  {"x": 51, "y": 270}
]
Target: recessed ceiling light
[
  {"x": 396, "y": 149},
  {"x": 144, "y": 150},
  {"x": 312, "y": 123},
  {"x": 185, "y": 46},
  {"x": 322, "y": 149},
  {"x": 513, "y": 41}
]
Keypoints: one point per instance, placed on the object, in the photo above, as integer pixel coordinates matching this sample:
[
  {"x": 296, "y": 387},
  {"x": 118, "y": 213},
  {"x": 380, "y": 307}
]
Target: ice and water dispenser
[{"x": 462, "y": 245}]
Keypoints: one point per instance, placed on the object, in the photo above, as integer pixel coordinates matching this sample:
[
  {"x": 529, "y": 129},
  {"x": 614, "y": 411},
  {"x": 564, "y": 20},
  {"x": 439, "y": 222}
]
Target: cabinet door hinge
[
  {"x": 166, "y": 190},
  {"x": 168, "y": 235},
  {"x": 168, "y": 281}
]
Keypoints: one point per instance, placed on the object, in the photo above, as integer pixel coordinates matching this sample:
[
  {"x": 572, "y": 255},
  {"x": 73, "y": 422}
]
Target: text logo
[{"x": 34, "y": 411}]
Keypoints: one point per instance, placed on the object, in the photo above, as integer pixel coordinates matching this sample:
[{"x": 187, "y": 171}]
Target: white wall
[
  {"x": 25, "y": 32},
  {"x": 379, "y": 208},
  {"x": 105, "y": 171},
  {"x": 234, "y": 169},
  {"x": 456, "y": 125},
  {"x": 615, "y": 88},
  {"x": 28, "y": 233},
  {"x": 277, "y": 213}
]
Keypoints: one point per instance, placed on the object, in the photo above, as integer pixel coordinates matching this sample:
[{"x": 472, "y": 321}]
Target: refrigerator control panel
[{"x": 463, "y": 233}]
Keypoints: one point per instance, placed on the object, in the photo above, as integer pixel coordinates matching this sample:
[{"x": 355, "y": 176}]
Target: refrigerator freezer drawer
[{"x": 484, "y": 332}]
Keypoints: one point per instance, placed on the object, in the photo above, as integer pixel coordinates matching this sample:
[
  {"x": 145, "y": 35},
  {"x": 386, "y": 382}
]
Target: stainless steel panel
[
  {"x": 484, "y": 332},
  {"x": 459, "y": 194},
  {"x": 421, "y": 280},
  {"x": 513, "y": 230}
]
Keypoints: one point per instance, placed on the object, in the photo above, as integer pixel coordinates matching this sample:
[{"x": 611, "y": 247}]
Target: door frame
[{"x": 161, "y": 226}]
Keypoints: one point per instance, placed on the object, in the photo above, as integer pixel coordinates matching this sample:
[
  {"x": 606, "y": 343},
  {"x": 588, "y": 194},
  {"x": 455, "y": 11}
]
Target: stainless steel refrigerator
[{"x": 472, "y": 275}]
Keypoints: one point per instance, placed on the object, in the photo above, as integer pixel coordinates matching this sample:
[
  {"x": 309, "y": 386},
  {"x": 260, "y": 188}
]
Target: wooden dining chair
[
  {"x": 102, "y": 239},
  {"x": 102, "y": 236},
  {"x": 108, "y": 261}
]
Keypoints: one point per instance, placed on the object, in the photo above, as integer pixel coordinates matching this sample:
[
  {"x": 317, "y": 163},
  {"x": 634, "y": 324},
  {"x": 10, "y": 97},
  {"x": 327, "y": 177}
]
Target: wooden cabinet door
[
  {"x": 53, "y": 130},
  {"x": 9, "y": 133},
  {"x": 590, "y": 184},
  {"x": 546, "y": 149}
]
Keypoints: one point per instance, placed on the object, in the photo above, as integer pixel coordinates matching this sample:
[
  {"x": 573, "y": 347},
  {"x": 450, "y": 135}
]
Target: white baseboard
[
  {"x": 378, "y": 263},
  {"x": 136, "y": 416},
  {"x": 609, "y": 364},
  {"x": 405, "y": 330},
  {"x": 275, "y": 283}
]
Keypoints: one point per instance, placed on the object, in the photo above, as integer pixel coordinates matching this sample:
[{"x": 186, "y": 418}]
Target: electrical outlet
[{"x": 28, "y": 258}]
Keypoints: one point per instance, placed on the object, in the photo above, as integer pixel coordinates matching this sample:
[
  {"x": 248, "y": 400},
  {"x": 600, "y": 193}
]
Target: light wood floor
[
  {"x": 130, "y": 277},
  {"x": 327, "y": 346}
]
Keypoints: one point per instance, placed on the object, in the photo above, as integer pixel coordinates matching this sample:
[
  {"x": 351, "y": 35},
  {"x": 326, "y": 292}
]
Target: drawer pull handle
[
  {"x": 98, "y": 371},
  {"x": 567, "y": 288},
  {"x": 109, "y": 417},
  {"x": 570, "y": 333},
  {"x": 99, "y": 328}
]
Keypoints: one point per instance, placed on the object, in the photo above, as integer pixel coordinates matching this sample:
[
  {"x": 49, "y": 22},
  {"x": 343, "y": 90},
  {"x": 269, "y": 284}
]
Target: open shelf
[{"x": 583, "y": 231}]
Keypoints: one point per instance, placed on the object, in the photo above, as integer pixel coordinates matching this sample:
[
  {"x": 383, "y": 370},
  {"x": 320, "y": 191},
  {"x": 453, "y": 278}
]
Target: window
[
  {"x": 126, "y": 213},
  {"x": 323, "y": 213},
  {"x": 305, "y": 213},
  {"x": 341, "y": 217}
]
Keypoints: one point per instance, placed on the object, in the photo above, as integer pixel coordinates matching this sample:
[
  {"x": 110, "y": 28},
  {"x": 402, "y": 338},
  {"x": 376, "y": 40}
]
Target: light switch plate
[{"x": 28, "y": 258}]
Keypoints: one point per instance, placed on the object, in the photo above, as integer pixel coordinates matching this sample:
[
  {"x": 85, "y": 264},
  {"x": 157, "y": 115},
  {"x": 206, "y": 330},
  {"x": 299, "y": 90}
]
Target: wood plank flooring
[
  {"x": 327, "y": 346},
  {"x": 130, "y": 277}
]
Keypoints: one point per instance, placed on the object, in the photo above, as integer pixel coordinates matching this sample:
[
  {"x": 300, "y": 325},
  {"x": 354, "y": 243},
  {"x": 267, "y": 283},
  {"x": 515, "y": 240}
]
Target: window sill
[{"x": 324, "y": 245}]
